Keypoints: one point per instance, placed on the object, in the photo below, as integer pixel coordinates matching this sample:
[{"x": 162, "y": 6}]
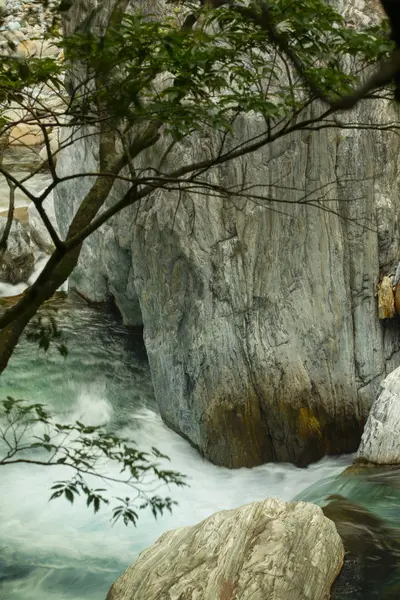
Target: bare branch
[{"x": 10, "y": 217}]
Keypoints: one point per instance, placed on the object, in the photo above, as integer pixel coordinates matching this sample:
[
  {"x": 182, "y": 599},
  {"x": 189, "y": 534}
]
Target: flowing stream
[{"x": 55, "y": 551}]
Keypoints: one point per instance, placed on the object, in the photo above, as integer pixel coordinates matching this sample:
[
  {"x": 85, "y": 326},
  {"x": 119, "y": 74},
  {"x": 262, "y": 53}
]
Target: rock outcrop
[
  {"x": 269, "y": 549},
  {"x": 17, "y": 261},
  {"x": 261, "y": 328},
  {"x": 380, "y": 443}
]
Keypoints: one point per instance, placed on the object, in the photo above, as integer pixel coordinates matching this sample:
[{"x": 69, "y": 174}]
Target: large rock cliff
[{"x": 260, "y": 318}]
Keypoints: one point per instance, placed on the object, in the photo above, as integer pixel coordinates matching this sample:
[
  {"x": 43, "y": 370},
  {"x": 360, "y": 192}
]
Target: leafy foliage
[
  {"x": 45, "y": 330},
  {"x": 188, "y": 79},
  {"x": 31, "y": 435},
  {"x": 191, "y": 79}
]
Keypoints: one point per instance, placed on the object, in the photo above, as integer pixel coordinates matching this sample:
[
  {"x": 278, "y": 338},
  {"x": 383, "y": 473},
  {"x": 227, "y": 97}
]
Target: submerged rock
[
  {"x": 269, "y": 549},
  {"x": 380, "y": 442},
  {"x": 17, "y": 262},
  {"x": 372, "y": 551},
  {"x": 363, "y": 503}
]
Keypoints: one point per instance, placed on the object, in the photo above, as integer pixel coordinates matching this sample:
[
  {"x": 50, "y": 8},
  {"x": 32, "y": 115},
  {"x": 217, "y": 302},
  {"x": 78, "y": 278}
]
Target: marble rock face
[{"x": 269, "y": 549}]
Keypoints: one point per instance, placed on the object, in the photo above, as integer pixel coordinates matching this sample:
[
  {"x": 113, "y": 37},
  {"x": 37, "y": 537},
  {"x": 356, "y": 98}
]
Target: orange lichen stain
[
  {"x": 307, "y": 424},
  {"x": 386, "y": 308},
  {"x": 397, "y": 298},
  {"x": 227, "y": 590}
]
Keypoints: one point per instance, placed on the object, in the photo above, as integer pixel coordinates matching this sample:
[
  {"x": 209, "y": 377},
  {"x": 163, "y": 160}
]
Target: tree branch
[{"x": 10, "y": 217}]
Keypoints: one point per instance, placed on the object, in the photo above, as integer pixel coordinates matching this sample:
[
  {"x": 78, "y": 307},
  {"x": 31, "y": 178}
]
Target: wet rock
[
  {"x": 269, "y": 549},
  {"x": 397, "y": 298},
  {"x": 363, "y": 502}
]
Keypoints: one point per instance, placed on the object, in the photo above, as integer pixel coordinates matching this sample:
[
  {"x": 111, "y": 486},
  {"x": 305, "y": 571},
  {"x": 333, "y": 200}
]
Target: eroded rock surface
[{"x": 269, "y": 549}]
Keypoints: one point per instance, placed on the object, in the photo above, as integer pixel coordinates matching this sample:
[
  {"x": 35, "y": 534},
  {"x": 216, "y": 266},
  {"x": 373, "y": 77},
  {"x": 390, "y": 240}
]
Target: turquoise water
[
  {"x": 366, "y": 510},
  {"x": 55, "y": 551}
]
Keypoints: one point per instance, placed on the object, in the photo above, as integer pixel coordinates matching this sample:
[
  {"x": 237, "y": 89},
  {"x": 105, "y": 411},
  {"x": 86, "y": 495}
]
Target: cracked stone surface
[
  {"x": 269, "y": 549},
  {"x": 261, "y": 328}
]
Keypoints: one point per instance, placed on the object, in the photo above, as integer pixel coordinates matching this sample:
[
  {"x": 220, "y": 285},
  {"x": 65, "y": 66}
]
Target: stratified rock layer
[{"x": 269, "y": 549}]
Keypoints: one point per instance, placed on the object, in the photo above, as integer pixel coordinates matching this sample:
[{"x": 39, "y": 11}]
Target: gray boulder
[
  {"x": 269, "y": 549},
  {"x": 380, "y": 443},
  {"x": 17, "y": 262}
]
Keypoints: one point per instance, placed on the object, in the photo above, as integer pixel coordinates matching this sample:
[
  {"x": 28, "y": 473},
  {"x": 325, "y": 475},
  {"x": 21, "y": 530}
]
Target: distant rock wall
[{"x": 261, "y": 322}]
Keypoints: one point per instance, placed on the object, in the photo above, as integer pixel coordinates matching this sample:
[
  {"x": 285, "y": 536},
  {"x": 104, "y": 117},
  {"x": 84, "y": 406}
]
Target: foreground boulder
[
  {"x": 16, "y": 263},
  {"x": 269, "y": 549},
  {"x": 380, "y": 443}
]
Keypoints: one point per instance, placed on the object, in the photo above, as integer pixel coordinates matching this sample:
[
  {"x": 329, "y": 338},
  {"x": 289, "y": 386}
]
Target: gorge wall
[{"x": 260, "y": 319}]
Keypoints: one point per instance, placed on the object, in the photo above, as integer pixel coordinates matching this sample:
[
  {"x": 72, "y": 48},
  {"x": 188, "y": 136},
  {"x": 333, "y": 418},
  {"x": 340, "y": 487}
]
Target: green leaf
[
  {"x": 69, "y": 495},
  {"x": 63, "y": 350}
]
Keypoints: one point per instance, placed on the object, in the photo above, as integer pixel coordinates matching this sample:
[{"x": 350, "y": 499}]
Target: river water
[{"x": 55, "y": 551}]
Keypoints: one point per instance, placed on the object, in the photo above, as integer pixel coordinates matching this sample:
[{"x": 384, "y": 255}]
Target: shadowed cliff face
[{"x": 261, "y": 327}]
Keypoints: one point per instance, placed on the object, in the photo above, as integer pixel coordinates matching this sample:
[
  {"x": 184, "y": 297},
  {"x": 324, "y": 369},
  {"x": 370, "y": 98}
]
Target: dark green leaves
[
  {"x": 193, "y": 78},
  {"x": 125, "y": 512},
  {"x": 68, "y": 489},
  {"x": 43, "y": 331}
]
